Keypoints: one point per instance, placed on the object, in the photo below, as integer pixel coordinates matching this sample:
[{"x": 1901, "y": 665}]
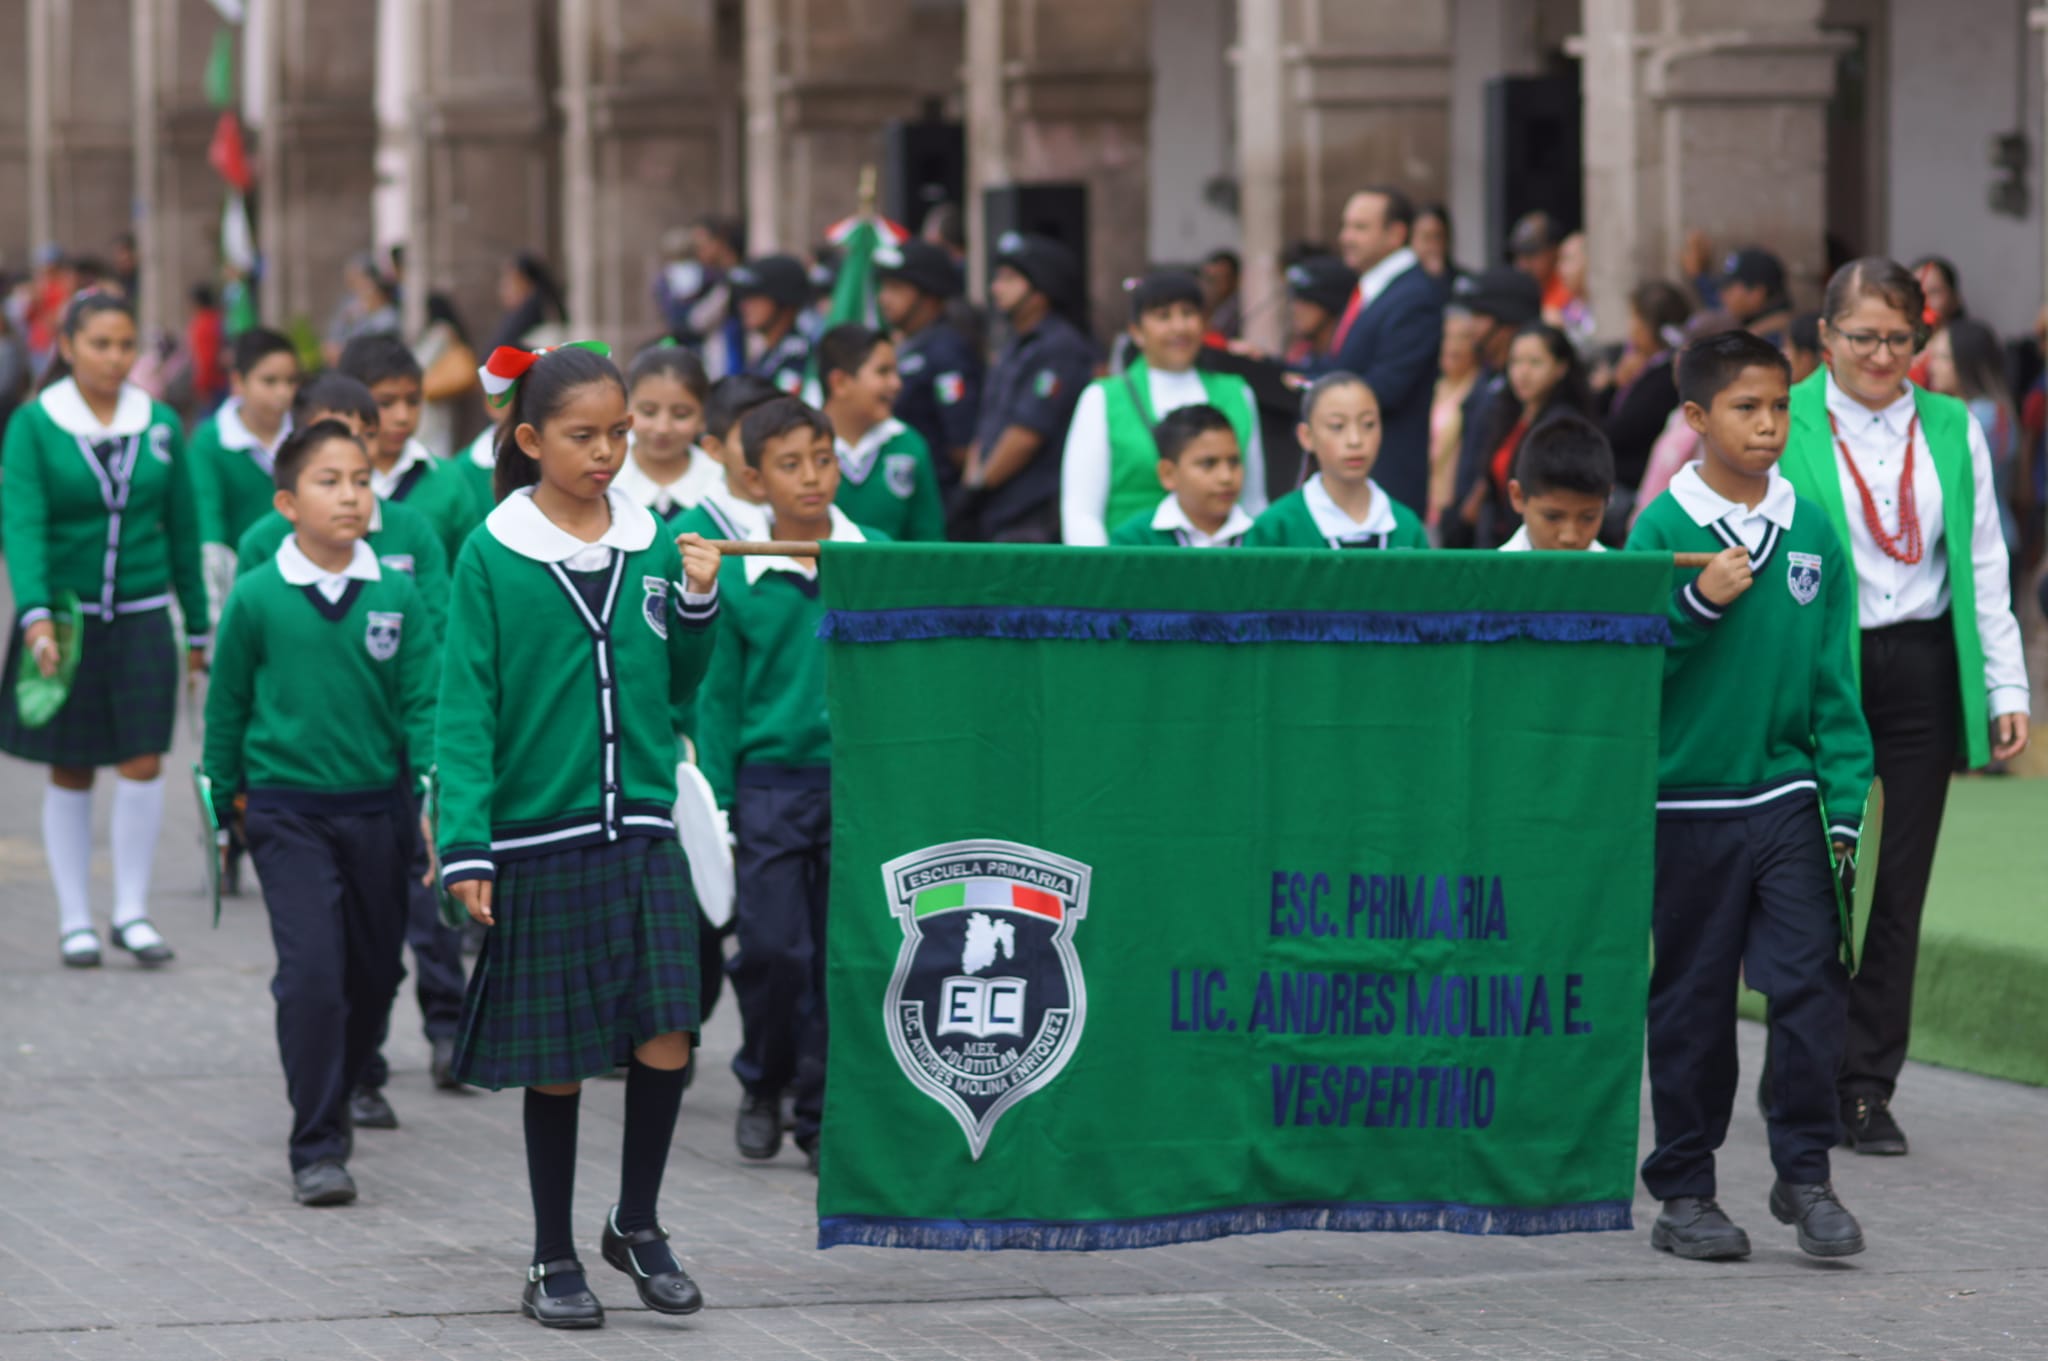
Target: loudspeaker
[
  {"x": 923, "y": 164},
  {"x": 1059, "y": 211},
  {"x": 1535, "y": 140}
]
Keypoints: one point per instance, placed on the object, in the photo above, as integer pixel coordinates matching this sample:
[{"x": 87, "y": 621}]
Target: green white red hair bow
[{"x": 501, "y": 373}]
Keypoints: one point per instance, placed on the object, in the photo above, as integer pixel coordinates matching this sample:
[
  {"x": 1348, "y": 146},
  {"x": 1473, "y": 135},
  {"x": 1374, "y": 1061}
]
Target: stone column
[
  {"x": 81, "y": 122},
  {"x": 177, "y": 194},
  {"x": 1262, "y": 167},
  {"x": 484, "y": 180},
  {"x": 319, "y": 147},
  {"x": 637, "y": 160},
  {"x": 15, "y": 238},
  {"x": 1709, "y": 114}
]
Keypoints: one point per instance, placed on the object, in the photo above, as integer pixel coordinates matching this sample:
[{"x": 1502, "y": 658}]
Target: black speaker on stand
[{"x": 1059, "y": 211}]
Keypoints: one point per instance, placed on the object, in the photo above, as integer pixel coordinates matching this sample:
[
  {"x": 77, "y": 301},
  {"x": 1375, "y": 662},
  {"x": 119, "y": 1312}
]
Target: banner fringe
[
  {"x": 931, "y": 623},
  {"x": 995, "y": 1235}
]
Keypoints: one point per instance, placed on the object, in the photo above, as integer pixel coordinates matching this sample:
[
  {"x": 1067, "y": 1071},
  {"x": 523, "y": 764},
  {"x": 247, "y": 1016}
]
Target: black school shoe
[
  {"x": 665, "y": 1292},
  {"x": 1868, "y": 1127},
  {"x": 326, "y": 1182},
  {"x": 758, "y": 1132},
  {"x": 80, "y": 949},
  {"x": 150, "y": 955},
  {"x": 579, "y": 1309},
  {"x": 442, "y": 1064},
  {"x": 1826, "y": 1229},
  {"x": 367, "y": 1109},
  {"x": 1695, "y": 1227}
]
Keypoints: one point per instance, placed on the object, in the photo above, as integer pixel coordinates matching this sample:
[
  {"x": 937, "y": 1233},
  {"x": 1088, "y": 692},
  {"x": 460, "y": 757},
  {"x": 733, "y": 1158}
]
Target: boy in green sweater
[
  {"x": 322, "y": 694},
  {"x": 404, "y": 469},
  {"x": 1201, "y": 465},
  {"x": 232, "y": 451},
  {"x": 764, "y": 745},
  {"x": 885, "y": 470},
  {"x": 1764, "y": 761}
]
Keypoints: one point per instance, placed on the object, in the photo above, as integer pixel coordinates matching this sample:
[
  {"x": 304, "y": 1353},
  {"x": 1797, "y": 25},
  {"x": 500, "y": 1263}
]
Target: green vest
[
  {"x": 1133, "y": 457},
  {"x": 1810, "y": 463}
]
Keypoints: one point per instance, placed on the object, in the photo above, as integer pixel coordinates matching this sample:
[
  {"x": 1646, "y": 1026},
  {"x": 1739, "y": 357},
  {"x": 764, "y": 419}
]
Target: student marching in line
[
  {"x": 1562, "y": 478},
  {"x": 886, "y": 477},
  {"x": 98, "y": 504},
  {"x": 1765, "y": 760},
  {"x": 476, "y": 463},
  {"x": 1110, "y": 469},
  {"x": 1339, "y": 506},
  {"x": 728, "y": 509},
  {"x": 942, "y": 374},
  {"x": 232, "y": 451},
  {"x": 766, "y": 749},
  {"x": 1202, "y": 469},
  {"x": 405, "y": 469},
  {"x": 575, "y": 624},
  {"x": 772, "y": 292},
  {"x": 667, "y": 470},
  {"x": 322, "y": 699}
]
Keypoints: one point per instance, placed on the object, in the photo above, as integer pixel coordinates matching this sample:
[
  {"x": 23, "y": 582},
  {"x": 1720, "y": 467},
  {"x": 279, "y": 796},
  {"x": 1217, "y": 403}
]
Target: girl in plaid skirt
[
  {"x": 575, "y": 623},
  {"x": 99, "y": 507}
]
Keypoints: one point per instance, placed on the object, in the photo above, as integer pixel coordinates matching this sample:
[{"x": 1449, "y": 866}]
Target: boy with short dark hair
[
  {"x": 322, "y": 693},
  {"x": 764, "y": 745},
  {"x": 886, "y": 477},
  {"x": 1563, "y": 475},
  {"x": 232, "y": 451},
  {"x": 730, "y": 511},
  {"x": 1764, "y": 761},
  {"x": 405, "y": 469},
  {"x": 1201, "y": 466}
]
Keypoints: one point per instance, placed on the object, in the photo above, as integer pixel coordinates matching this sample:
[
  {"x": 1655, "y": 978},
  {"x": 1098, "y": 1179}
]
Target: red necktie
[{"x": 1350, "y": 315}]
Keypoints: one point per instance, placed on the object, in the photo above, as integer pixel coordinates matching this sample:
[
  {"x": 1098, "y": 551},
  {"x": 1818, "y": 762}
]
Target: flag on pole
[
  {"x": 228, "y": 154},
  {"x": 853, "y": 290},
  {"x": 220, "y": 70}
]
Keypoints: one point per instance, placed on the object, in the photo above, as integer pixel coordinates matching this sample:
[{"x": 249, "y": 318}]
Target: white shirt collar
[
  {"x": 843, "y": 531},
  {"x": 298, "y": 569},
  {"x": 697, "y": 480},
  {"x": 1857, "y": 419},
  {"x": 857, "y": 460},
  {"x": 1374, "y": 281},
  {"x": 521, "y": 526},
  {"x": 64, "y": 404},
  {"x": 236, "y": 435},
  {"x": 383, "y": 483},
  {"x": 1518, "y": 542},
  {"x": 1171, "y": 518},
  {"x": 1705, "y": 505},
  {"x": 483, "y": 450},
  {"x": 1333, "y": 522}
]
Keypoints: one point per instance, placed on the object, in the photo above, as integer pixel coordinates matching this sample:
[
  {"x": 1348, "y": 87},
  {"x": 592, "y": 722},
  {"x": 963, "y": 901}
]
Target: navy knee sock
[
  {"x": 551, "y": 1171},
  {"x": 652, "y": 1098}
]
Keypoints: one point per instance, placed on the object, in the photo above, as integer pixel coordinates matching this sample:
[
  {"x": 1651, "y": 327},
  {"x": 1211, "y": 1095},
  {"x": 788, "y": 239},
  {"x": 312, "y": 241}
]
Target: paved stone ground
[{"x": 145, "y": 1213}]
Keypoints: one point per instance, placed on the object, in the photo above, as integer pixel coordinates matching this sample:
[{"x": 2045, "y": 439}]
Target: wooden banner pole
[{"x": 783, "y": 548}]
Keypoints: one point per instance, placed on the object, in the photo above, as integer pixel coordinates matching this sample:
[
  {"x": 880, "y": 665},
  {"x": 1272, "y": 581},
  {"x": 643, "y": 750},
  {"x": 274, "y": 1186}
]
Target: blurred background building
[{"x": 589, "y": 130}]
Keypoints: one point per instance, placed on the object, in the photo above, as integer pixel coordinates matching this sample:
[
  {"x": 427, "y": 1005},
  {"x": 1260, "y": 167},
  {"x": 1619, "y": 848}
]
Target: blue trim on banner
[
  {"x": 990, "y": 1235},
  {"x": 930, "y": 623}
]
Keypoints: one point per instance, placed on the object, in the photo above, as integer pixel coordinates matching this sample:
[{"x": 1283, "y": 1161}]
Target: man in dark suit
[{"x": 1390, "y": 335}]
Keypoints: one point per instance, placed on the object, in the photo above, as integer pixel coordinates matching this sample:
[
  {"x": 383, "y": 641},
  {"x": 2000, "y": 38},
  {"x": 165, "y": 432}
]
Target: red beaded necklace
[{"x": 1907, "y": 545}]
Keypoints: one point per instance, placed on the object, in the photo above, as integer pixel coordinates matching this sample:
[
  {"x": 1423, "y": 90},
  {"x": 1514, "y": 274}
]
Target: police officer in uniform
[
  {"x": 1010, "y": 482},
  {"x": 771, "y": 292},
  {"x": 942, "y": 375}
]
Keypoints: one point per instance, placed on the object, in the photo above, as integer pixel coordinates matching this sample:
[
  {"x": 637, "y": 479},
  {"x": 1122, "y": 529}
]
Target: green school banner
[{"x": 1181, "y": 894}]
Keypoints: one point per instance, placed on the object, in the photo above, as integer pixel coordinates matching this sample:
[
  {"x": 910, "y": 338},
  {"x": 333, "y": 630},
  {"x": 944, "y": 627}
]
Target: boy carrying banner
[
  {"x": 1563, "y": 475},
  {"x": 1765, "y": 760}
]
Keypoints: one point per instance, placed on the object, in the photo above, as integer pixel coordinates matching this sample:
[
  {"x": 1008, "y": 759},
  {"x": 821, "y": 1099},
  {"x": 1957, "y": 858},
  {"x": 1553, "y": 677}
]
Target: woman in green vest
[
  {"x": 1110, "y": 469},
  {"x": 1906, "y": 476}
]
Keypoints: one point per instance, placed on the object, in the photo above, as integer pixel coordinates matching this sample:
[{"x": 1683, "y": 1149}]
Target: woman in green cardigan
[{"x": 1906, "y": 476}]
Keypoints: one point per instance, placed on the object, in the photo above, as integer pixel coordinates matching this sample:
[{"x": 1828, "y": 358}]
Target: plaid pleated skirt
[
  {"x": 594, "y": 953},
  {"x": 123, "y": 701}
]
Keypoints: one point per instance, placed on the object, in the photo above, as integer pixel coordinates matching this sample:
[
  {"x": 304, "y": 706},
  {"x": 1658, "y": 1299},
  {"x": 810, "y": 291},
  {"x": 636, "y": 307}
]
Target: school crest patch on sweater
[
  {"x": 901, "y": 472},
  {"x": 654, "y": 604},
  {"x": 1802, "y": 575},
  {"x": 380, "y": 635},
  {"x": 987, "y": 1002},
  {"x": 398, "y": 562}
]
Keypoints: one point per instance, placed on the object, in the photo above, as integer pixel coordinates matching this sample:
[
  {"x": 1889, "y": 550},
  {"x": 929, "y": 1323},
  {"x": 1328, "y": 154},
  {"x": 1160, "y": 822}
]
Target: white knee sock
[
  {"x": 67, "y": 845},
  {"x": 138, "y": 817}
]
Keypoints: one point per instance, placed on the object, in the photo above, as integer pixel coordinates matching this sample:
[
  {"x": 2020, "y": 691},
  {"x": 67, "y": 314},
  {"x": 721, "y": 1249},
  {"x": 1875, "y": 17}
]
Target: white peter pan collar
[
  {"x": 1334, "y": 522},
  {"x": 1172, "y": 519},
  {"x": 521, "y": 526},
  {"x": 299, "y": 570},
  {"x": 483, "y": 450},
  {"x": 698, "y": 478},
  {"x": 64, "y": 404},
  {"x": 857, "y": 460},
  {"x": 1707, "y": 506},
  {"x": 1855, "y": 418},
  {"x": 844, "y": 530}
]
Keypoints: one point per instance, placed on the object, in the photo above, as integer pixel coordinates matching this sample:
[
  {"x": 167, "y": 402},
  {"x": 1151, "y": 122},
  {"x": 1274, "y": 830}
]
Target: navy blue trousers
[
  {"x": 782, "y": 862},
  {"x": 438, "y": 981},
  {"x": 334, "y": 885},
  {"x": 1745, "y": 897}
]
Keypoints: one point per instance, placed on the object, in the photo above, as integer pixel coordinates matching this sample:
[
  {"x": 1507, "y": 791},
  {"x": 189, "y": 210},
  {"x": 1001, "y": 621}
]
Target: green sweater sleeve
[
  {"x": 924, "y": 519},
  {"x": 417, "y": 673},
  {"x": 24, "y": 517},
  {"x": 202, "y": 456},
  {"x": 692, "y": 637},
  {"x": 444, "y": 499},
  {"x": 230, "y": 690},
  {"x": 260, "y": 542},
  {"x": 1843, "y": 756},
  {"x": 430, "y": 575},
  {"x": 1691, "y": 617},
  {"x": 718, "y": 703},
  {"x": 182, "y": 525},
  {"x": 466, "y": 739}
]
